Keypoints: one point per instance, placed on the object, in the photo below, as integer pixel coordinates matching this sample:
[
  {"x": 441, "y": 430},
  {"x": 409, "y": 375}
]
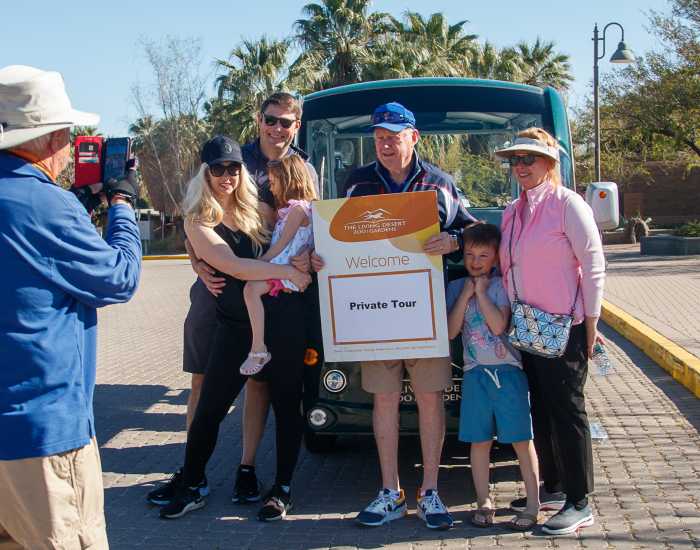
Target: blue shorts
[{"x": 488, "y": 408}]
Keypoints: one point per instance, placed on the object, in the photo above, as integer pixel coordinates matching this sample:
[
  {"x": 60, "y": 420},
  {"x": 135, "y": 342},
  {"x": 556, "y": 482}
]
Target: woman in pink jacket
[{"x": 557, "y": 266}]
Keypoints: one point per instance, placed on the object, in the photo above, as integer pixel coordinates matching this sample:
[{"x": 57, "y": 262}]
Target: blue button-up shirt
[{"x": 55, "y": 271}]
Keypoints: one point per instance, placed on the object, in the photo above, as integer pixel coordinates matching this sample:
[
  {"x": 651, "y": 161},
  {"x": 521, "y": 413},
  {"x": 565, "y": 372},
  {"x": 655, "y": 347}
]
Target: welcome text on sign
[{"x": 379, "y": 261}]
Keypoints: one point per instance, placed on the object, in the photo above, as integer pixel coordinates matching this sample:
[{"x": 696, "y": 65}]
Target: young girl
[{"x": 293, "y": 188}]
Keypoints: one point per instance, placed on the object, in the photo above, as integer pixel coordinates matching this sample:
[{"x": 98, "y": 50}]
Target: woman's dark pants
[{"x": 559, "y": 419}]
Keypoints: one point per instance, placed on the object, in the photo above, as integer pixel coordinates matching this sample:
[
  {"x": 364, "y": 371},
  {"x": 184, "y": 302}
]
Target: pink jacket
[{"x": 552, "y": 263}]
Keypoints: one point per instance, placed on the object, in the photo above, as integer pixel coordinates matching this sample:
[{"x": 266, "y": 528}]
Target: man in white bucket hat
[{"x": 56, "y": 272}]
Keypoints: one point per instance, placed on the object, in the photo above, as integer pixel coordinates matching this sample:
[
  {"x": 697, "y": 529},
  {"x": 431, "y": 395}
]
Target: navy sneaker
[
  {"x": 568, "y": 520},
  {"x": 383, "y": 509},
  {"x": 432, "y": 511},
  {"x": 185, "y": 500},
  {"x": 548, "y": 501},
  {"x": 247, "y": 487},
  {"x": 162, "y": 495},
  {"x": 277, "y": 503}
]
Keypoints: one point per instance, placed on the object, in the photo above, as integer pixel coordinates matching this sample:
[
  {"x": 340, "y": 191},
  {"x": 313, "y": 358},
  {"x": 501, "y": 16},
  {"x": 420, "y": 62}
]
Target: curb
[
  {"x": 165, "y": 257},
  {"x": 683, "y": 366}
]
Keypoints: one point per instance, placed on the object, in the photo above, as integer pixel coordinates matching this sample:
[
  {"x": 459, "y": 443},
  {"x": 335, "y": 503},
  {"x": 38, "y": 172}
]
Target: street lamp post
[{"x": 621, "y": 55}]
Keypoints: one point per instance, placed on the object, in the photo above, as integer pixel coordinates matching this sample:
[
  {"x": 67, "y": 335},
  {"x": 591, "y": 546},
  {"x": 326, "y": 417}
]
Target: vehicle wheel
[{"x": 319, "y": 443}]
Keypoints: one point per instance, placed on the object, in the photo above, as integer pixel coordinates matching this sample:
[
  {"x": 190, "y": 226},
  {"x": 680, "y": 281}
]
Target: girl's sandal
[
  {"x": 250, "y": 367},
  {"x": 532, "y": 521},
  {"x": 485, "y": 513}
]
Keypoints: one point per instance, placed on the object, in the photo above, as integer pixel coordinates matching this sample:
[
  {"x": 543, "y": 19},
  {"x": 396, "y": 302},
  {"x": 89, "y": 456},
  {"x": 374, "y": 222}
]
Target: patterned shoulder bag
[{"x": 534, "y": 330}]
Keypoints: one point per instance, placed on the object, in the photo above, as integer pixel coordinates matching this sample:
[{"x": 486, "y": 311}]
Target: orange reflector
[
  {"x": 603, "y": 194},
  {"x": 311, "y": 357}
]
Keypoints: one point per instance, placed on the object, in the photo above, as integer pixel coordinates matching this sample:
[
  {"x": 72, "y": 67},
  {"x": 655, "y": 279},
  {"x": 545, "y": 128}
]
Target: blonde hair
[
  {"x": 546, "y": 137},
  {"x": 200, "y": 205},
  {"x": 294, "y": 179}
]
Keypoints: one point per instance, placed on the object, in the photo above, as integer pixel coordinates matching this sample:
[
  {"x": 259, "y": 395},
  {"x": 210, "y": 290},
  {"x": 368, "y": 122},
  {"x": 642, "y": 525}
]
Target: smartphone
[
  {"x": 88, "y": 160},
  {"x": 117, "y": 151}
]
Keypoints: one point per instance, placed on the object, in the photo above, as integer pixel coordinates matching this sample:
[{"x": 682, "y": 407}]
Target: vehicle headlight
[
  {"x": 335, "y": 381},
  {"x": 318, "y": 417}
]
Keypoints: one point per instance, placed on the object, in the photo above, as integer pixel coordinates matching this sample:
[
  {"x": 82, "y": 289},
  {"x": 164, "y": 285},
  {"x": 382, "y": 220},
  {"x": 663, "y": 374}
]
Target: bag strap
[{"x": 578, "y": 287}]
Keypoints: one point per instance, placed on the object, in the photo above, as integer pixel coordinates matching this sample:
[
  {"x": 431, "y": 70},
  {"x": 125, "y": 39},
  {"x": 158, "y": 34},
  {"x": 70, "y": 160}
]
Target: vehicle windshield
[{"x": 460, "y": 143}]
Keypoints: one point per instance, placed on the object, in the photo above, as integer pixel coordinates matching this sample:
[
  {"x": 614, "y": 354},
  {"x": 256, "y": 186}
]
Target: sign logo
[{"x": 360, "y": 220}]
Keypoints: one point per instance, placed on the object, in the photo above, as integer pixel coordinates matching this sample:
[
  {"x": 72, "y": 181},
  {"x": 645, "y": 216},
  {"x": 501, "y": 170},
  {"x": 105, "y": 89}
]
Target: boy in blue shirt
[{"x": 495, "y": 392}]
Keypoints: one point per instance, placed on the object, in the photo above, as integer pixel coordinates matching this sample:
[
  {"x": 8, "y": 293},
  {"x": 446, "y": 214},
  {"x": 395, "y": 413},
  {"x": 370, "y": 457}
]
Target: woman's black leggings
[
  {"x": 559, "y": 419},
  {"x": 285, "y": 338}
]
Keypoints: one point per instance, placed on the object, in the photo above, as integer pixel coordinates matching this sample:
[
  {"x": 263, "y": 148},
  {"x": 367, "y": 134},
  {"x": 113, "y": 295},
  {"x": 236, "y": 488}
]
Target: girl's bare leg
[
  {"x": 251, "y": 293},
  {"x": 480, "y": 459},
  {"x": 527, "y": 457}
]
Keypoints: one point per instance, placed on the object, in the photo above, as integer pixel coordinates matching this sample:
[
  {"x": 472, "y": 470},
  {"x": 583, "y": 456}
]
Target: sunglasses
[
  {"x": 218, "y": 170},
  {"x": 273, "y": 120},
  {"x": 528, "y": 160},
  {"x": 390, "y": 117}
]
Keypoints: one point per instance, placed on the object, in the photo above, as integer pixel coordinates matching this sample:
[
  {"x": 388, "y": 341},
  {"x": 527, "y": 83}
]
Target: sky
[{"x": 95, "y": 45}]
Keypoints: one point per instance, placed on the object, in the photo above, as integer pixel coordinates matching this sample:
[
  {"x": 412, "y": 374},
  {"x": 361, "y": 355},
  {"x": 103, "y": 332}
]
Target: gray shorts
[{"x": 200, "y": 328}]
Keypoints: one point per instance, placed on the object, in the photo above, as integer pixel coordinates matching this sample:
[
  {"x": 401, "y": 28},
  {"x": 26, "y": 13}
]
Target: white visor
[{"x": 530, "y": 145}]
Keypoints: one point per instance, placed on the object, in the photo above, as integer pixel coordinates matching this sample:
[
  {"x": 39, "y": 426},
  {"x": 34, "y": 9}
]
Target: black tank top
[{"x": 231, "y": 308}]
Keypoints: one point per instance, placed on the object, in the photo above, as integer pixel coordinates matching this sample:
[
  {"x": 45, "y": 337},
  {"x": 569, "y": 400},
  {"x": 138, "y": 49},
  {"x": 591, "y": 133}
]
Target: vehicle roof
[{"x": 408, "y": 82}]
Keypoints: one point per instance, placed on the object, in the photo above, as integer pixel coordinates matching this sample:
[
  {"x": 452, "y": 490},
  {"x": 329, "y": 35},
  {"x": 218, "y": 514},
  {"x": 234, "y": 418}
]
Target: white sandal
[{"x": 250, "y": 367}]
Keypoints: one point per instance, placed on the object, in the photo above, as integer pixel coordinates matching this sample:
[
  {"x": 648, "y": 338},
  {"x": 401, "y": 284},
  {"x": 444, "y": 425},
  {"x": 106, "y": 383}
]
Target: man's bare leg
[
  {"x": 386, "y": 433},
  {"x": 193, "y": 399},
  {"x": 431, "y": 420},
  {"x": 256, "y": 407}
]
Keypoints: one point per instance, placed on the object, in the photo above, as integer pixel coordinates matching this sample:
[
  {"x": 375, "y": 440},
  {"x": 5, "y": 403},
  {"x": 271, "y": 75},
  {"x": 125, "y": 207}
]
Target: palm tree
[
  {"x": 335, "y": 36},
  {"x": 488, "y": 61},
  {"x": 255, "y": 70},
  {"x": 542, "y": 67}
]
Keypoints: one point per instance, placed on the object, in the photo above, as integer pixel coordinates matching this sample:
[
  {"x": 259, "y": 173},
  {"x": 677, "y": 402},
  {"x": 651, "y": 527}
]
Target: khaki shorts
[
  {"x": 427, "y": 375},
  {"x": 53, "y": 502}
]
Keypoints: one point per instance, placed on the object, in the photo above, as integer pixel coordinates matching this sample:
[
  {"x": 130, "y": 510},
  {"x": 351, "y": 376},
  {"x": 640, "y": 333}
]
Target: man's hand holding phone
[{"x": 127, "y": 188}]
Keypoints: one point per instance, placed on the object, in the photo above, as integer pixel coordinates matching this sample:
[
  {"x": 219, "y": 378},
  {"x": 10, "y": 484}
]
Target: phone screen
[{"x": 116, "y": 155}]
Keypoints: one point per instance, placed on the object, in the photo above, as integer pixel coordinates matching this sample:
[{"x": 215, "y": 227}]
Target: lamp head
[{"x": 623, "y": 54}]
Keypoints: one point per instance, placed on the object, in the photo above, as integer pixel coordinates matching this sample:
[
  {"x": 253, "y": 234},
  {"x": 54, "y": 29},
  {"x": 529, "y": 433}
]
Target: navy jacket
[
  {"x": 368, "y": 180},
  {"x": 56, "y": 270}
]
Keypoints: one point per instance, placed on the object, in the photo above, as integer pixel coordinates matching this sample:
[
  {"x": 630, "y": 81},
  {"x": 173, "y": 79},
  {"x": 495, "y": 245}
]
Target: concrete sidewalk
[{"x": 663, "y": 292}]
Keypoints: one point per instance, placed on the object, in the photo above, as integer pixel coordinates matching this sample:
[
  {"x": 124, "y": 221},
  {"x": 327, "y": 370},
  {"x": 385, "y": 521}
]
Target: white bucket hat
[
  {"x": 529, "y": 144},
  {"x": 34, "y": 103}
]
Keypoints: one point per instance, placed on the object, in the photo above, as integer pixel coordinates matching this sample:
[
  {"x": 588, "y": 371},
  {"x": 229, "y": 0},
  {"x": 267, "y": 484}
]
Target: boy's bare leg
[
  {"x": 480, "y": 460},
  {"x": 255, "y": 410},
  {"x": 251, "y": 293},
  {"x": 527, "y": 457},
  {"x": 193, "y": 399}
]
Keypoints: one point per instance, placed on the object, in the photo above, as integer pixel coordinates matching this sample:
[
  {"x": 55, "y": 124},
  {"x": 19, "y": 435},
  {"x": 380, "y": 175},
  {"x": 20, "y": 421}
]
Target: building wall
[{"x": 670, "y": 195}]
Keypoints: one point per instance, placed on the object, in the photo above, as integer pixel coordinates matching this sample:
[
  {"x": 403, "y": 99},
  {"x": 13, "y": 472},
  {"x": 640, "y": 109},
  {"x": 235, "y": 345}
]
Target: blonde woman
[
  {"x": 229, "y": 229},
  {"x": 557, "y": 266}
]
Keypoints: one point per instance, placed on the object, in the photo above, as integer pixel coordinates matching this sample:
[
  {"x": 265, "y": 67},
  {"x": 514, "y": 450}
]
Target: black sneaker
[
  {"x": 277, "y": 503},
  {"x": 162, "y": 495},
  {"x": 247, "y": 487},
  {"x": 185, "y": 500}
]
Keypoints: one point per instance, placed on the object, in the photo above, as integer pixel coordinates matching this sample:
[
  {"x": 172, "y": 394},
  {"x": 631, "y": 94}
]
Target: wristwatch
[{"x": 457, "y": 240}]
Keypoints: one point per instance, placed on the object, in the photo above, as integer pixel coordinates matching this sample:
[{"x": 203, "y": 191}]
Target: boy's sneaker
[
  {"x": 185, "y": 500},
  {"x": 247, "y": 487},
  {"x": 383, "y": 509},
  {"x": 162, "y": 495},
  {"x": 568, "y": 520},
  {"x": 548, "y": 501},
  {"x": 277, "y": 503},
  {"x": 432, "y": 511}
]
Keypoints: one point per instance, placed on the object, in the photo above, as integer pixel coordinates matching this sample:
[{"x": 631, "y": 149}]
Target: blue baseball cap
[{"x": 392, "y": 116}]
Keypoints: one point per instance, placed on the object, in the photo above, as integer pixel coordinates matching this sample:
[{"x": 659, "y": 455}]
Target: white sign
[{"x": 381, "y": 296}]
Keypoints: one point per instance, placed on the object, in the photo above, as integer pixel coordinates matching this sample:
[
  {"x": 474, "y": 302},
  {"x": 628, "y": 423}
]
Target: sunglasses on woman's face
[
  {"x": 528, "y": 160},
  {"x": 272, "y": 121},
  {"x": 217, "y": 170}
]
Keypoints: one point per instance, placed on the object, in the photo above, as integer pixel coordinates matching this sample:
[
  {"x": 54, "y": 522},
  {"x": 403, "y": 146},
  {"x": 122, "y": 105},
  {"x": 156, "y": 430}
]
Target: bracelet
[{"x": 456, "y": 240}]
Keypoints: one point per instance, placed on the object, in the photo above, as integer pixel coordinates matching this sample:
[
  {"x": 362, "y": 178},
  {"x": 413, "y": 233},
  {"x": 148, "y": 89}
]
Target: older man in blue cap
[{"x": 399, "y": 169}]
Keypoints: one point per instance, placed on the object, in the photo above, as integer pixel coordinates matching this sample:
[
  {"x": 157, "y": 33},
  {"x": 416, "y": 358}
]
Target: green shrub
[
  {"x": 688, "y": 229},
  {"x": 175, "y": 244}
]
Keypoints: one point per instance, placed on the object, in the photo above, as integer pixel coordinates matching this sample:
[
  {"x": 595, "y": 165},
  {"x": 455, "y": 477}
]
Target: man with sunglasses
[
  {"x": 398, "y": 169},
  {"x": 279, "y": 121}
]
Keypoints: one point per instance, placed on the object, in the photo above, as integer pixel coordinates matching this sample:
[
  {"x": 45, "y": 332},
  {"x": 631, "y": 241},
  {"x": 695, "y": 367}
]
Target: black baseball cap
[{"x": 221, "y": 149}]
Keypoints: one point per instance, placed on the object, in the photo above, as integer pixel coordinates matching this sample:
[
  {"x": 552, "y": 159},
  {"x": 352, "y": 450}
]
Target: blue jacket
[
  {"x": 55, "y": 271},
  {"x": 368, "y": 180}
]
